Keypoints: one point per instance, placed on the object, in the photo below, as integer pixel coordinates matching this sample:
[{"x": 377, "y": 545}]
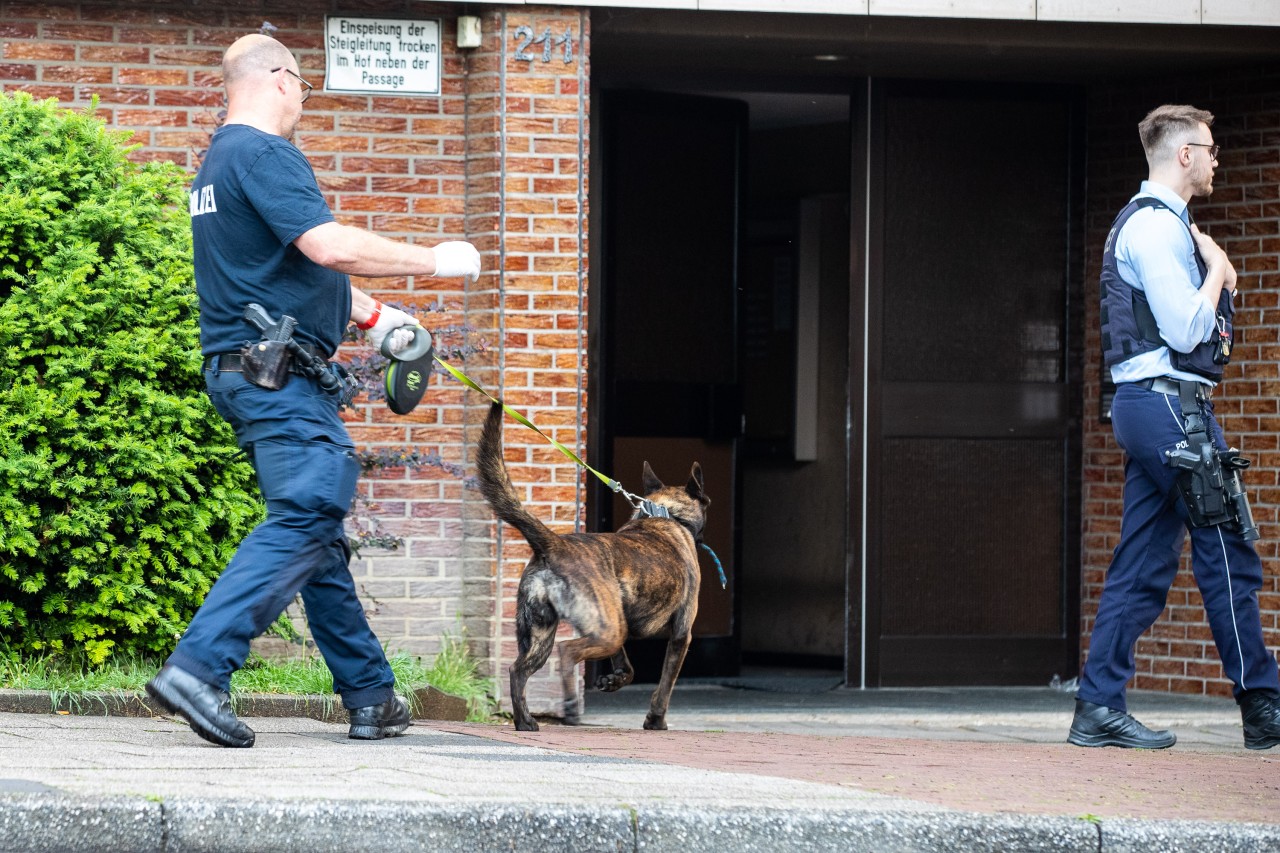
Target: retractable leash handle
[{"x": 405, "y": 380}]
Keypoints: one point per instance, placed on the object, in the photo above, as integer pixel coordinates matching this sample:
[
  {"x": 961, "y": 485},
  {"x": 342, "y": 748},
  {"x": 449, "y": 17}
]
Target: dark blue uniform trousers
[
  {"x": 307, "y": 473},
  {"x": 1226, "y": 567}
]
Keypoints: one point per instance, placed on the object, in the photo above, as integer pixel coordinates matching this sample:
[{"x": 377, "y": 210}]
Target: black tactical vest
[{"x": 1128, "y": 326}]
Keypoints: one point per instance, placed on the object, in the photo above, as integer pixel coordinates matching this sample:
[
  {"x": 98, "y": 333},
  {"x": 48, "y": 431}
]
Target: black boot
[
  {"x": 204, "y": 706},
  {"x": 1261, "y": 715},
  {"x": 1098, "y": 725},
  {"x": 378, "y": 721}
]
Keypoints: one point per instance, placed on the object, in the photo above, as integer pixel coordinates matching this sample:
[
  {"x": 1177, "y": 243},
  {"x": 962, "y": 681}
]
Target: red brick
[
  {"x": 17, "y": 30},
  {"x": 208, "y": 98},
  {"x": 188, "y": 56},
  {"x": 60, "y": 93},
  {"x": 317, "y": 142},
  {"x": 154, "y": 35},
  {"x": 375, "y": 165},
  {"x": 195, "y": 139},
  {"x": 113, "y": 53},
  {"x": 413, "y": 186},
  {"x": 343, "y": 183},
  {"x": 405, "y": 145},
  {"x": 122, "y": 13},
  {"x": 45, "y": 13},
  {"x": 373, "y": 202},
  {"x": 372, "y": 124},
  {"x": 61, "y": 31},
  {"x": 153, "y": 77},
  {"x": 39, "y": 50},
  {"x": 17, "y": 71},
  {"x": 151, "y": 118}
]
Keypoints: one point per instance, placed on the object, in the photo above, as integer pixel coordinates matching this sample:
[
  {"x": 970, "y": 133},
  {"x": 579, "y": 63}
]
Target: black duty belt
[
  {"x": 1168, "y": 385},
  {"x": 230, "y": 361}
]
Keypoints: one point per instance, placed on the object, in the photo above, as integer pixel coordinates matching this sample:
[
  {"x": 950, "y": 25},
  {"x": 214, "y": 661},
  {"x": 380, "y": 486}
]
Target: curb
[
  {"x": 428, "y": 704},
  {"x": 44, "y": 823}
]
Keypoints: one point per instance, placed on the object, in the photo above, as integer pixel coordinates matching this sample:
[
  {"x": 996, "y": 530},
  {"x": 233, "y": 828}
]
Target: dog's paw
[
  {"x": 615, "y": 680},
  {"x": 529, "y": 725},
  {"x": 655, "y": 724}
]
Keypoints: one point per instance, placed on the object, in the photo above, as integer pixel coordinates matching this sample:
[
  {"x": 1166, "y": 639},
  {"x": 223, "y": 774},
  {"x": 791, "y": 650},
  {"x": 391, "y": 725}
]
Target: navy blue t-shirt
[{"x": 254, "y": 195}]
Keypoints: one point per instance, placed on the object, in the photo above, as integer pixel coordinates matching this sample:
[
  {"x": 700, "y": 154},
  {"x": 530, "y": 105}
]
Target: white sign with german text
[{"x": 383, "y": 56}]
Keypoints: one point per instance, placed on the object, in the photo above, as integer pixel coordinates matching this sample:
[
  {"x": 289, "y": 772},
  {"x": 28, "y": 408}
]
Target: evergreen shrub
[{"x": 121, "y": 491}]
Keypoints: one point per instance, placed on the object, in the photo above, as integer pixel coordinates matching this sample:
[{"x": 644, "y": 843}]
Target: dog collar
[{"x": 649, "y": 509}]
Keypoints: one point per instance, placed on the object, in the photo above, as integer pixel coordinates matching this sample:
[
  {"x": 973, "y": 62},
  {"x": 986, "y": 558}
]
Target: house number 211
[{"x": 525, "y": 38}]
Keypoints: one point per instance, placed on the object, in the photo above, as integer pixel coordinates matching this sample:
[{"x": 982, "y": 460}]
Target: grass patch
[
  {"x": 453, "y": 671},
  {"x": 73, "y": 674}
]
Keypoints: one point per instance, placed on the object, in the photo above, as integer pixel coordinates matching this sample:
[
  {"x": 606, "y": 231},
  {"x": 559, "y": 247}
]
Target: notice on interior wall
[{"x": 382, "y": 56}]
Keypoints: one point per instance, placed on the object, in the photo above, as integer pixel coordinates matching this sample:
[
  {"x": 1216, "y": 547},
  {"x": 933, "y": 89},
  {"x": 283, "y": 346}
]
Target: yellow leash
[
  {"x": 645, "y": 506},
  {"x": 470, "y": 383}
]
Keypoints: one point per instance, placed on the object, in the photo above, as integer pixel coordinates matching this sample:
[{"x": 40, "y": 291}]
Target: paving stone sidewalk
[{"x": 742, "y": 769}]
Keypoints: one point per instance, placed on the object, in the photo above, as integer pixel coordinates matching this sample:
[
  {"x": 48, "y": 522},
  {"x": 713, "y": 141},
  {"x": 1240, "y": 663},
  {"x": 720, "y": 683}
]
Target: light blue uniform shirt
[{"x": 1155, "y": 253}]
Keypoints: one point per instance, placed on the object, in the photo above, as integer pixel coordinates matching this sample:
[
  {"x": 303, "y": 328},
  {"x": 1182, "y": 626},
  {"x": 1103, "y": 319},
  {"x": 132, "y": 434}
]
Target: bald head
[
  {"x": 271, "y": 102},
  {"x": 251, "y": 58}
]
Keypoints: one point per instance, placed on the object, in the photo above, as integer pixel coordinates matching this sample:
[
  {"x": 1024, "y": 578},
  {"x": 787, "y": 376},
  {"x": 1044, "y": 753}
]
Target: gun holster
[
  {"x": 1208, "y": 478},
  {"x": 266, "y": 363}
]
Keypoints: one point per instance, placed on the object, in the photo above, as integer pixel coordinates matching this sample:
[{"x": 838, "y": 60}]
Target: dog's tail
[{"x": 496, "y": 486}]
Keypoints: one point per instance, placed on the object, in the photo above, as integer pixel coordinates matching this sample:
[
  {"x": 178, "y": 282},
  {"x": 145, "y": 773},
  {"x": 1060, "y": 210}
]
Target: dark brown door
[{"x": 972, "y": 550}]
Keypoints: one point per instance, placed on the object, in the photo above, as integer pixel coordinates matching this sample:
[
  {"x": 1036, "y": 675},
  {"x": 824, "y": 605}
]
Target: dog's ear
[
  {"x": 649, "y": 482},
  {"x": 694, "y": 486}
]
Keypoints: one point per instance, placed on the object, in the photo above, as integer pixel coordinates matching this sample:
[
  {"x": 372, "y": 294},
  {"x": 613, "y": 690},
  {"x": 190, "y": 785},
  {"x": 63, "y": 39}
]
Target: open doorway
[{"x": 721, "y": 308}]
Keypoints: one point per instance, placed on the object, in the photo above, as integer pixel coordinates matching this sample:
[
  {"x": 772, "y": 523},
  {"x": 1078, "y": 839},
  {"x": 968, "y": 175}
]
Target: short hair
[
  {"x": 250, "y": 54},
  {"x": 1164, "y": 129}
]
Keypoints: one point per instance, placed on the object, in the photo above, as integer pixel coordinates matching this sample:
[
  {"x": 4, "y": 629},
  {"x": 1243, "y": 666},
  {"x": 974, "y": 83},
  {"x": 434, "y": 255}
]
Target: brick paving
[{"x": 1037, "y": 778}]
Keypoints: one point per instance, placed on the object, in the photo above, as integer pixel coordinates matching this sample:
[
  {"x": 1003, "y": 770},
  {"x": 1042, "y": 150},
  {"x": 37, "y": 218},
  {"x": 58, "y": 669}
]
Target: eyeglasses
[
  {"x": 307, "y": 87},
  {"x": 1213, "y": 149}
]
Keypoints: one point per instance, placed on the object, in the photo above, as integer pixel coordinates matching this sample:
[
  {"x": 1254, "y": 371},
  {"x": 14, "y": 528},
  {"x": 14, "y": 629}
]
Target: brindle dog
[{"x": 641, "y": 581}]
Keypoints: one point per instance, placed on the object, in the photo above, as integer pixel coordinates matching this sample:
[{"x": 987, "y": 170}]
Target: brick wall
[
  {"x": 532, "y": 191},
  {"x": 1243, "y": 216},
  {"x": 497, "y": 158}
]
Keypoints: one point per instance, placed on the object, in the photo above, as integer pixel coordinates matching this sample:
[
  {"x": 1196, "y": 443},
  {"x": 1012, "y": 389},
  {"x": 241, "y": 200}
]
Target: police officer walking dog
[
  {"x": 266, "y": 243},
  {"x": 1167, "y": 310}
]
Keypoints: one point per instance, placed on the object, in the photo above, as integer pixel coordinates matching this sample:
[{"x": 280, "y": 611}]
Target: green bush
[{"x": 121, "y": 493}]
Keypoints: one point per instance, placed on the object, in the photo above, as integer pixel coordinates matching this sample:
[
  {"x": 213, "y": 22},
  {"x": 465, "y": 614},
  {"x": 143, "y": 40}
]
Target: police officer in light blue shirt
[
  {"x": 1156, "y": 254},
  {"x": 1167, "y": 293}
]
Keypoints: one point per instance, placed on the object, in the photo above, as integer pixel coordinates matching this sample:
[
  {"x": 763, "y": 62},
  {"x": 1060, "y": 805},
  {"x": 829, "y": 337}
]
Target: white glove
[
  {"x": 390, "y": 320},
  {"x": 455, "y": 259}
]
